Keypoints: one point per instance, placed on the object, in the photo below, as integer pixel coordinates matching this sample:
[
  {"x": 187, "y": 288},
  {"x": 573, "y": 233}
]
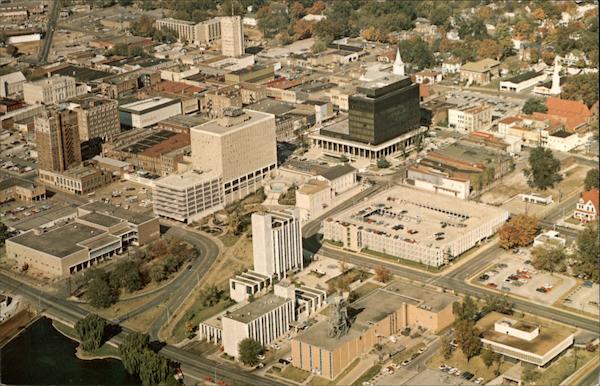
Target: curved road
[{"x": 193, "y": 365}]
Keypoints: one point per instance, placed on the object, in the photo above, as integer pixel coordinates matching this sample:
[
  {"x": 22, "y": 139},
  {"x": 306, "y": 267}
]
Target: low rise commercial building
[
  {"x": 313, "y": 198},
  {"x": 438, "y": 182},
  {"x": 120, "y": 85},
  {"x": 254, "y": 74},
  {"x": 471, "y": 118},
  {"x": 11, "y": 84},
  {"x": 80, "y": 179},
  {"x": 480, "y": 72},
  {"x": 521, "y": 340},
  {"x": 148, "y": 112},
  {"x": 523, "y": 81},
  {"x": 52, "y": 90},
  {"x": 340, "y": 178},
  {"x": 377, "y": 316},
  {"x": 414, "y": 225},
  {"x": 99, "y": 232},
  {"x": 21, "y": 190}
]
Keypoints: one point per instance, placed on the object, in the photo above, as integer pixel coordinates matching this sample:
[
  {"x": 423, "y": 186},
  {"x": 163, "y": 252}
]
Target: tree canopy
[
  {"x": 249, "y": 350},
  {"x": 90, "y": 331},
  {"x": 534, "y": 105},
  {"x": 519, "y": 231},
  {"x": 591, "y": 179},
  {"x": 543, "y": 170},
  {"x": 587, "y": 252},
  {"x": 551, "y": 259},
  {"x": 416, "y": 52}
]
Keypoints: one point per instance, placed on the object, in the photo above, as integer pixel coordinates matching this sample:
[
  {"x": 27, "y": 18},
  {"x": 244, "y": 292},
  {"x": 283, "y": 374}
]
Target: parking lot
[
  {"x": 584, "y": 298},
  {"x": 129, "y": 195},
  {"x": 514, "y": 274},
  {"x": 502, "y": 105}
]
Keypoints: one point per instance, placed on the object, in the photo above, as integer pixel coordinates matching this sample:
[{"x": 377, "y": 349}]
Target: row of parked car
[{"x": 457, "y": 373}]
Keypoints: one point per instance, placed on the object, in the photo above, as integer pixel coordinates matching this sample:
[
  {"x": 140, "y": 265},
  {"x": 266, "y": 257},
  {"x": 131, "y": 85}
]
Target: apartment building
[
  {"x": 232, "y": 36},
  {"x": 277, "y": 242},
  {"x": 96, "y": 117},
  {"x": 57, "y": 140},
  {"x": 239, "y": 147},
  {"x": 52, "y": 90},
  {"x": 471, "y": 118},
  {"x": 188, "y": 197}
]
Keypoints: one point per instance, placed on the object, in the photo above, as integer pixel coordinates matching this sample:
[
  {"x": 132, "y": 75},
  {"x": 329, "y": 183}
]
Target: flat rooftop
[
  {"x": 186, "y": 180},
  {"x": 217, "y": 126},
  {"x": 148, "y": 105},
  {"x": 548, "y": 338},
  {"x": 417, "y": 217},
  {"x": 60, "y": 242},
  {"x": 101, "y": 219},
  {"x": 187, "y": 121},
  {"x": 111, "y": 210},
  {"x": 427, "y": 298},
  {"x": 272, "y": 106},
  {"x": 257, "y": 308},
  {"x": 154, "y": 138}
]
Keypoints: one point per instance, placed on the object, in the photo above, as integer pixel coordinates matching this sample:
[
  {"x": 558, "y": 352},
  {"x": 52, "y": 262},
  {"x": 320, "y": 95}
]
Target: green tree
[
  {"x": 583, "y": 87},
  {"x": 319, "y": 45},
  {"x": 12, "y": 50},
  {"x": 131, "y": 351},
  {"x": 467, "y": 338},
  {"x": 126, "y": 275},
  {"x": 498, "y": 303},
  {"x": 588, "y": 252},
  {"x": 591, "y": 179},
  {"x": 157, "y": 272},
  {"x": 4, "y": 233},
  {"x": 489, "y": 357},
  {"x": 143, "y": 26},
  {"x": 551, "y": 259},
  {"x": 90, "y": 331},
  {"x": 382, "y": 163},
  {"x": 543, "y": 170},
  {"x": 534, "y": 105},
  {"x": 211, "y": 295},
  {"x": 467, "y": 310},
  {"x": 416, "y": 52},
  {"x": 99, "y": 292},
  {"x": 154, "y": 369},
  {"x": 171, "y": 264},
  {"x": 249, "y": 350},
  {"x": 446, "y": 347}
]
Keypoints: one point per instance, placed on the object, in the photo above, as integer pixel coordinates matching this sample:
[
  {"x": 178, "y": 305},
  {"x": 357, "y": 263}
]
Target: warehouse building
[
  {"x": 148, "y": 112},
  {"x": 414, "y": 225}
]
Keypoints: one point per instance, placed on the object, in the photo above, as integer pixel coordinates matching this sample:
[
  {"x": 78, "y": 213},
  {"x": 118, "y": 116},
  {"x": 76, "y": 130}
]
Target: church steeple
[{"x": 398, "y": 64}]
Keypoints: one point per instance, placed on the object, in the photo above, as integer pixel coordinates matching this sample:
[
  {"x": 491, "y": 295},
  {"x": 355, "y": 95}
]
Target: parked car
[
  {"x": 406, "y": 362},
  {"x": 479, "y": 381},
  {"x": 467, "y": 375}
]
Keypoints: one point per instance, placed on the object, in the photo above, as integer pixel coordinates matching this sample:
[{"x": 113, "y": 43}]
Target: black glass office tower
[{"x": 383, "y": 110}]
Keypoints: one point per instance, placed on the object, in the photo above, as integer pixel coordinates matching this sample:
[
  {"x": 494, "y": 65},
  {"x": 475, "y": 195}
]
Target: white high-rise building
[
  {"x": 277, "y": 242},
  {"x": 232, "y": 36},
  {"x": 555, "y": 90},
  {"x": 398, "y": 64}
]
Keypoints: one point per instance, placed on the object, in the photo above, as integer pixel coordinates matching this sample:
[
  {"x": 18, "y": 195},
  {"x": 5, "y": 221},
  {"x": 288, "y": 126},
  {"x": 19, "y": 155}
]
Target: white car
[
  {"x": 452, "y": 370},
  {"x": 479, "y": 381},
  {"x": 261, "y": 357}
]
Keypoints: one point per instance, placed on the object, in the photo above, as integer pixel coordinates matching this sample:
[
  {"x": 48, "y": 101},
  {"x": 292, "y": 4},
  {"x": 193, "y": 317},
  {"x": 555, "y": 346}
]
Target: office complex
[
  {"x": 470, "y": 118},
  {"x": 204, "y": 32},
  {"x": 221, "y": 146},
  {"x": 96, "y": 117},
  {"x": 232, "y": 36},
  {"x": 263, "y": 320},
  {"x": 277, "y": 242},
  {"x": 384, "y": 312},
  {"x": 414, "y": 225},
  {"x": 99, "y": 231},
  {"x": 521, "y": 340},
  {"x": 57, "y": 139},
  {"x": 52, "y": 90},
  {"x": 383, "y": 110}
]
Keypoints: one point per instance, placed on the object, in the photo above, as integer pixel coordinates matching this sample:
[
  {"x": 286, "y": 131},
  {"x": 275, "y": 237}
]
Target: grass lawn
[
  {"x": 365, "y": 289},
  {"x": 399, "y": 260},
  {"x": 320, "y": 381},
  {"x": 229, "y": 239},
  {"x": 294, "y": 374},
  {"x": 406, "y": 354},
  {"x": 370, "y": 373},
  {"x": 334, "y": 243},
  {"x": 564, "y": 367},
  {"x": 573, "y": 221},
  {"x": 198, "y": 312},
  {"x": 475, "y": 365},
  {"x": 351, "y": 275}
]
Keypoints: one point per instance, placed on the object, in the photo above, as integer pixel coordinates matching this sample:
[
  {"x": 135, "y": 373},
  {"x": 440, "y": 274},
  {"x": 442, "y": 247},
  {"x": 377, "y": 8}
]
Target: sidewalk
[{"x": 359, "y": 370}]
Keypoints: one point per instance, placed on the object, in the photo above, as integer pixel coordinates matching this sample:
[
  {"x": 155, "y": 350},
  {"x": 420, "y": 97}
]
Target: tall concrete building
[
  {"x": 57, "y": 140},
  {"x": 52, "y": 90},
  {"x": 240, "y": 148},
  {"x": 232, "y": 36},
  {"x": 96, "y": 117},
  {"x": 277, "y": 242}
]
